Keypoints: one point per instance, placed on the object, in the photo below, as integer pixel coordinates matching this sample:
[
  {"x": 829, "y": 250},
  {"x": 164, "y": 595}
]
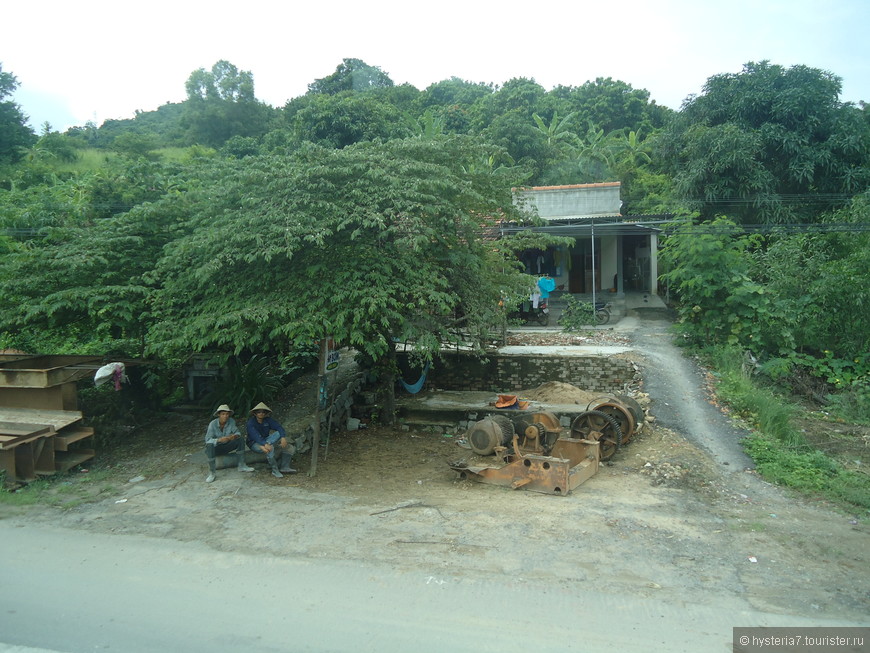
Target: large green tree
[
  {"x": 351, "y": 75},
  {"x": 368, "y": 244},
  {"x": 221, "y": 104},
  {"x": 347, "y": 118},
  {"x": 519, "y": 96},
  {"x": 15, "y": 135},
  {"x": 452, "y": 92},
  {"x": 608, "y": 104},
  {"x": 73, "y": 278},
  {"x": 769, "y": 144}
]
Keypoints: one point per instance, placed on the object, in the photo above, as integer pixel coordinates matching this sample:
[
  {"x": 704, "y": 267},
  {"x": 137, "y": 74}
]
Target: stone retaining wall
[{"x": 505, "y": 372}]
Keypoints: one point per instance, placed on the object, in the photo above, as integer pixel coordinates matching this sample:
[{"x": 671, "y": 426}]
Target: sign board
[{"x": 332, "y": 358}]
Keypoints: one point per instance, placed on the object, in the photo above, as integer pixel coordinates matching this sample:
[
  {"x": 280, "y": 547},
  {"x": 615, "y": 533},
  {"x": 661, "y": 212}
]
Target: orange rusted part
[
  {"x": 537, "y": 430},
  {"x": 622, "y": 414},
  {"x": 570, "y": 463}
]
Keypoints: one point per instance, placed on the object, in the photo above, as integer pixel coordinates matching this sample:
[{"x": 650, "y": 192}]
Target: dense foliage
[
  {"x": 15, "y": 135},
  {"x": 769, "y": 145},
  {"x": 359, "y": 209},
  {"x": 363, "y": 244}
]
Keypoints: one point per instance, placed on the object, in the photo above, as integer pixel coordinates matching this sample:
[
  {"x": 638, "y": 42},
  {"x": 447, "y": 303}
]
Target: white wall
[{"x": 609, "y": 261}]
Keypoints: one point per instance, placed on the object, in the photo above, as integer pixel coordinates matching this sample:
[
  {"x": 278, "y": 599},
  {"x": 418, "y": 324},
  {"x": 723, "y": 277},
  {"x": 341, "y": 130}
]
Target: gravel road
[{"x": 680, "y": 400}]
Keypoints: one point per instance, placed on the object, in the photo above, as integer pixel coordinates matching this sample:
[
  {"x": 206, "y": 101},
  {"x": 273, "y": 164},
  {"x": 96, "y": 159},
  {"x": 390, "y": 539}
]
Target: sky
[{"x": 95, "y": 60}]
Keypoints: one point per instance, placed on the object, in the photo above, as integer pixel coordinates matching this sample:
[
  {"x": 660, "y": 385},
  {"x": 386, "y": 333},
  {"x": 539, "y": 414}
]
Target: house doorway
[
  {"x": 636, "y": 262},
  {"x": 585, "y": 267}
]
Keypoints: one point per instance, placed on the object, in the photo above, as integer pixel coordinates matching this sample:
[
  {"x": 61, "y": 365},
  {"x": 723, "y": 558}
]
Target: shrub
[
  {"x": 807, "y": 469},
  {"x": 576, "y": 315},
  {"x": 245, "y": 383}
]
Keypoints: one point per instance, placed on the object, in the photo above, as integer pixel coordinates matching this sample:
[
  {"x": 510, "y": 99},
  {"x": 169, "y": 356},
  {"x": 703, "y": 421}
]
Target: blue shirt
[{"x": 258, "y": 432}]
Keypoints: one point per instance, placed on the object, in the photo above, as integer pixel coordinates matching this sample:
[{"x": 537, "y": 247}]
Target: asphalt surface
[
  {"x": 677, "y": 385},
  {"x": 76, "y": 591}
]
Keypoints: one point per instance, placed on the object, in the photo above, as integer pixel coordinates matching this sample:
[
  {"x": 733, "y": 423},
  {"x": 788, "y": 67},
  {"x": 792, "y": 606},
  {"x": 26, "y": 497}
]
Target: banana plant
[{"x": 557, "y": 132}]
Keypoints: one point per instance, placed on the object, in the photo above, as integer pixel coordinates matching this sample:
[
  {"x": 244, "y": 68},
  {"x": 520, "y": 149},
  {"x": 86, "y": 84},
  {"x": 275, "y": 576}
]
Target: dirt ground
[{"x": 661, "y": 520}]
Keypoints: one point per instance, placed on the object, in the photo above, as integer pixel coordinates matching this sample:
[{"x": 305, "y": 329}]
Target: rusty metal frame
[{"x": 570, "y": 463}]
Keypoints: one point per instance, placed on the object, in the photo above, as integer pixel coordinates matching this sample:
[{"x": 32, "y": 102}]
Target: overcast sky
[{"x": 96, "y": 59}]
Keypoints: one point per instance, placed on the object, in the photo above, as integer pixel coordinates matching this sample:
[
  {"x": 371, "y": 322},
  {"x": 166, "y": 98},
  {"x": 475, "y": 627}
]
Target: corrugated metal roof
[{"x": 585, "y": 229}]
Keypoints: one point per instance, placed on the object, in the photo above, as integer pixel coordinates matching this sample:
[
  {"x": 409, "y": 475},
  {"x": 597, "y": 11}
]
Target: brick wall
[{"x": 501, "y": 373}]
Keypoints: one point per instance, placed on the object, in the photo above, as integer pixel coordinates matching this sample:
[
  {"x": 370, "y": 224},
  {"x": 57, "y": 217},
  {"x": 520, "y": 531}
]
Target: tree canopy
[
  {"x": 351, "y": 75},
  {"x": 221, "y": 104},
  {"x": 15, "y": 135},
  {"x": 362, "y": 244},
  {"x": 361, "y": 210},
  {"x": 769, "y": 144}
]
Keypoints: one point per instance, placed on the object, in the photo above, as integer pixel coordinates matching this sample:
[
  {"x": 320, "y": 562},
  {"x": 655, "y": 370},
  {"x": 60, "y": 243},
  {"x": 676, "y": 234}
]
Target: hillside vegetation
[{"x": 363, "y": 211}]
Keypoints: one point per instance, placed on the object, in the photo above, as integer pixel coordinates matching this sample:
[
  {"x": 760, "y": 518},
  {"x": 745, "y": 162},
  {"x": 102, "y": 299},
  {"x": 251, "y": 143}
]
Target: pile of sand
[{"x": 556, "y": 392}]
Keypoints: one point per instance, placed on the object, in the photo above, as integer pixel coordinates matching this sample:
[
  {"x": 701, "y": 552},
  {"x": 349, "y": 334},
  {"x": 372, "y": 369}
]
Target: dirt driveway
[{"x": 676, "y": 516}]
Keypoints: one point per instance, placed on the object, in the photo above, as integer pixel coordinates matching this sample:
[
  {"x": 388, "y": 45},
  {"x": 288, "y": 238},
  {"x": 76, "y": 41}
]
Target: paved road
[
  {"x": 676, "y": 385},
  {"x": 75, "y": 591}
]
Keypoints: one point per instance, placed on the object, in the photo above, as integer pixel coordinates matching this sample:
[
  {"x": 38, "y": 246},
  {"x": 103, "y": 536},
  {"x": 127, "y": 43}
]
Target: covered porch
[{"x": 609, "y": 256}]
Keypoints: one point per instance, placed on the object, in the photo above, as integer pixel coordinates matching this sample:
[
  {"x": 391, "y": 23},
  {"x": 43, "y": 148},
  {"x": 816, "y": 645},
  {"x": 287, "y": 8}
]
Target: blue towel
[{"x": 547, "y": 285}]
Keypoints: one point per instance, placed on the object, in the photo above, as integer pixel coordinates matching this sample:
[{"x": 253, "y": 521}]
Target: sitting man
[
  {"x": 223, "y": 437},
  {"x": 264, "y": 434}
]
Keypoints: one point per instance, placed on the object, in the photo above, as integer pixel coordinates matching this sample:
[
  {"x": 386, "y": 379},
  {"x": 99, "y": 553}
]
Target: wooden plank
[
  {"x": 24, "y": 463},
  {"x": 17, "y": 442},
  {"x": 43, "y": 456},
  {"x": 19, "y": 429},
  {"x": 67, "y": 460},
  {"x": 70, "y": 435},
  {"x": 46, "y": 371},
  {"x": 7, "y": 464},
  {"x": 56, "y": 418}
]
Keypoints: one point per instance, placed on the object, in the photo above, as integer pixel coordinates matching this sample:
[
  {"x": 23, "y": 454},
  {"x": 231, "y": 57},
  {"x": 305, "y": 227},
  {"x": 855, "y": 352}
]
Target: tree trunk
[{"x": 388, "y": 387}]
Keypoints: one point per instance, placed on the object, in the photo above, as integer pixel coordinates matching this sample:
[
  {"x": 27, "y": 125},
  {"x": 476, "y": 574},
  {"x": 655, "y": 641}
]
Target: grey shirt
[{"x": 215, "y": 431}]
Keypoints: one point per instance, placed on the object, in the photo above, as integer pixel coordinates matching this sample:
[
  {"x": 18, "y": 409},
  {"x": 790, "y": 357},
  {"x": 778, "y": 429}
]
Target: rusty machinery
[
  {"x": 535, "y": 454},
  {"x": 538, "y": 458},
  {"x": 612, "y": 420}
]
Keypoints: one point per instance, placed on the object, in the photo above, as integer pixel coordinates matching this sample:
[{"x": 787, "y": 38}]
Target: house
[{"x": 611, "y": 252}]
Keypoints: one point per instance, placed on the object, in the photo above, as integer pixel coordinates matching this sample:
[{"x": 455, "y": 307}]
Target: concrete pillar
[
  {"x": 620, "y": 268},
  {"x": 653, "y": 263}
]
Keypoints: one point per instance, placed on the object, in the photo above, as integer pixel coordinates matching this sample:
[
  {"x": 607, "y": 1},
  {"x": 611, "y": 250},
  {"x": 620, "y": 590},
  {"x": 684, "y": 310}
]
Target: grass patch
[
  {"x": 60, "y": 490},
  {"x": 808, "y": 470},
  {"x": 31, "y": 494},
  {"x": 781, "y": 453},
  {"x": 852, "y": 405},
  {"x": 772, "y": 414},
  {"x": 88, "y": 160},
  {"x": 173, "y": 154}
]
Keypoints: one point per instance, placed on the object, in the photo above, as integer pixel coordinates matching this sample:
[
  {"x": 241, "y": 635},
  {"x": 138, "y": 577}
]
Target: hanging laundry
[{"x": 546, "y": 285}]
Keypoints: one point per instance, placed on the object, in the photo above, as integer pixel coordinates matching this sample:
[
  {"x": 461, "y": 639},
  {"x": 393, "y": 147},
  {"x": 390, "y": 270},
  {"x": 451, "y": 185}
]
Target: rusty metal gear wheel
[
  {"x": 621, "y": 413},
  {"x": 597, "y": 425},
  {"x": 542, "y": 427},
  {"x": 635, "y": 408}
]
